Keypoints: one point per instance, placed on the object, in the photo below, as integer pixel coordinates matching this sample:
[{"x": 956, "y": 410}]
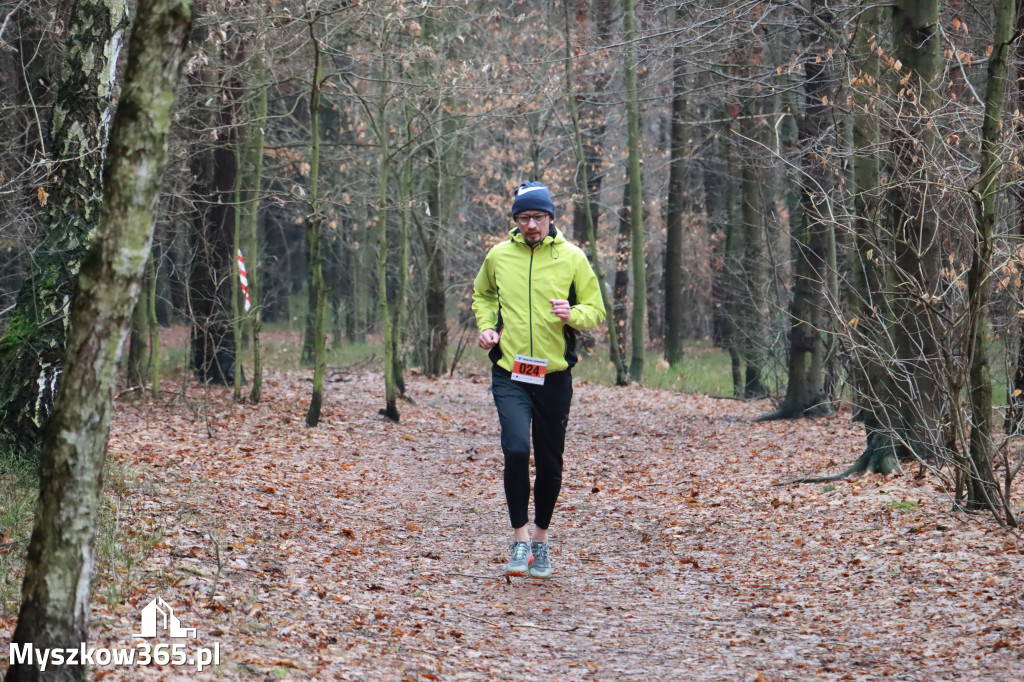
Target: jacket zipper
[{"x": 529, "y": 281}]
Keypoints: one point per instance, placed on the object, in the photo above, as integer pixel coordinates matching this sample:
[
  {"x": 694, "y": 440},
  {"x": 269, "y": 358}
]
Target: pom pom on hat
[{"x": 533, "y": 196}]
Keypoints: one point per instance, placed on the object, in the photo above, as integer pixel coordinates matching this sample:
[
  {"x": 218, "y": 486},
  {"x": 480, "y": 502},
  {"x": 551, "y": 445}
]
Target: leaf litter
[{"x": 368, "y": 550}]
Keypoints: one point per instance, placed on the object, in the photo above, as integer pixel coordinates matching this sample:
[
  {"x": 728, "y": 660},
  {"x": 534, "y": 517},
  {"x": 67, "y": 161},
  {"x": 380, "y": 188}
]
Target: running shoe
[
  {"x": 541, "y": 566},
  {"x": 519, "y": 563}
]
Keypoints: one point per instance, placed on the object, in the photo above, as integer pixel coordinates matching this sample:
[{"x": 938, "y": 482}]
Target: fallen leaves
[{"x": 672, "y": 552}]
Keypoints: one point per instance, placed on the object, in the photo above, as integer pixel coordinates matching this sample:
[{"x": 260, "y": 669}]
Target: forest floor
[{"x": 363, "y": 549}]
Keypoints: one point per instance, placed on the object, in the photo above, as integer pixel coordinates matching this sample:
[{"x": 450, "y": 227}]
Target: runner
[{"x": 531, "y": 295}]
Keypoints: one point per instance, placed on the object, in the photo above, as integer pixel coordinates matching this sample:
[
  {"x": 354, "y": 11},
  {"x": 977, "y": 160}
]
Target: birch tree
[
  {"x": 56, "y": 590},
  {"x": 32, "y": 347}
]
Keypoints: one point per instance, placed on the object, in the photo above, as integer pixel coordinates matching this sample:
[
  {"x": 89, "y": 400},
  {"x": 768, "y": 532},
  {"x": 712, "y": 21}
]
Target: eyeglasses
[{"x": 524, "y": 220}]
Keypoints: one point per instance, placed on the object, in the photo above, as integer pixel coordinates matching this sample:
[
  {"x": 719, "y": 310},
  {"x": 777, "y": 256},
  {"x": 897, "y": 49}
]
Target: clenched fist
[
  {"x": 561, "y": 309},
  {"x": 487, "y": 339}
]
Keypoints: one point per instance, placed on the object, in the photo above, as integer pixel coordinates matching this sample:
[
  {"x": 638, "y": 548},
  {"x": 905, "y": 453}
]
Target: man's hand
[
  {"x": 561, "y": 309},
  {"x": 487, "y": 339}
]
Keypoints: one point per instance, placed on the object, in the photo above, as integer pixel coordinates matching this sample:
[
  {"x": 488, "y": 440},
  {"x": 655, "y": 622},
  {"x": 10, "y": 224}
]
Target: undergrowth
[
  {"x": 19, "y": 487},
  {"x": 122, "y": 542}
]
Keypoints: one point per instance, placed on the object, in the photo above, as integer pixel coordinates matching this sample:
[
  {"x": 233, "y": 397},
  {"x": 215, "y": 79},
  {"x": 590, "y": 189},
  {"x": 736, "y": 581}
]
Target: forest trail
[{"x": 368, "y": 550}]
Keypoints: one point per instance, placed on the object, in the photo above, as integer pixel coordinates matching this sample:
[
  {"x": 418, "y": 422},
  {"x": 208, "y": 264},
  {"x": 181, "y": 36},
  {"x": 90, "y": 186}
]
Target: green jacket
[{"x": 513, "y": 291}]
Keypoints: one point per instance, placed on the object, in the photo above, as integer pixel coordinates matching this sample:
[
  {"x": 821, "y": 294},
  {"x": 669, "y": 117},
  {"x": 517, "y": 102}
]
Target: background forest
[{"x": 828, "y": 191}]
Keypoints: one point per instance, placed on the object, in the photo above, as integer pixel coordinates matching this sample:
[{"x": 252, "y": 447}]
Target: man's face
[{"x": 533, "y": 225}]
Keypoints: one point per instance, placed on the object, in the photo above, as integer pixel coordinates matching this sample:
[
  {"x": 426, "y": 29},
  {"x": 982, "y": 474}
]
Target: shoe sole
[
  {"x": 521, "y": 574},
  {"x": 540, "y": 576}
]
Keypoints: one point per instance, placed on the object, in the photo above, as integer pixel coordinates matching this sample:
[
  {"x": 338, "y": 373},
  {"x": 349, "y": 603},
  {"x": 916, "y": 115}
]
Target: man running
[{"x": 530, "y": 297}]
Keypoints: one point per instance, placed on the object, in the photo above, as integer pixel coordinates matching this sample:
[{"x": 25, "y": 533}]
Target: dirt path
[{"x": 364, "y": 550}]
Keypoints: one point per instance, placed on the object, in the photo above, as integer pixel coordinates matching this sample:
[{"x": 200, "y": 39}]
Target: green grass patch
[
  {"x": 172, "y": 357},
  {"x": 473, "y": 360},
  {"x": 1001, "y": 362},
  {"x": 284, "y": 352},
  {"x": 704, "y": 369},
  {"x": 122, "y": 540},
  {"x": 280, "y": 347},
  {"x": 363, "y": 354},
  {"x": 19, "y": 488},
  {"x": 905, "y": 506}
]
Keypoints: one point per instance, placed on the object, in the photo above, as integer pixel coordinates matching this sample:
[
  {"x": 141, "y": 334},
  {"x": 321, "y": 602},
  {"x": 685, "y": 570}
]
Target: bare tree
[
  {"x": 636, "y": 211},
  {"x": 805, "y": 395},
  {"x": 56, "y": 591},
  {"x": 314, "y": 238},
  {"x": 982, "y": 492}
]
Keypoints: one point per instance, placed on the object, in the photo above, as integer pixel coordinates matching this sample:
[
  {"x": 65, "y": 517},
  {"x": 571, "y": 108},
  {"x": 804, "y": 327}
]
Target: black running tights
[{"x": 546, "y": 408}]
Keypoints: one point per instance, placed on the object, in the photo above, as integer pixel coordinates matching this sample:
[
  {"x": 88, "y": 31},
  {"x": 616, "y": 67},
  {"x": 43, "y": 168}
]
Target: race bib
[{"x": 529, "y": 370}]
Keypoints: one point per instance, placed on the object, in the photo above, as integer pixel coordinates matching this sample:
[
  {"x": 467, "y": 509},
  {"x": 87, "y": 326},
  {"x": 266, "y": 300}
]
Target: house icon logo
[{"x": 159, "y": 613}]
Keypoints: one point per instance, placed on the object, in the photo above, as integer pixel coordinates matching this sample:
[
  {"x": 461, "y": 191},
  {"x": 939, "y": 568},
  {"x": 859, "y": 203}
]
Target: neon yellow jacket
[{"x": 513, "y": 291}]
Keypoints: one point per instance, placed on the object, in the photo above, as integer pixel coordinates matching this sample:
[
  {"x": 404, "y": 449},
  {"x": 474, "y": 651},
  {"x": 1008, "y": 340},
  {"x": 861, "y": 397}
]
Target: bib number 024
[{"x": 529, "y": 370}]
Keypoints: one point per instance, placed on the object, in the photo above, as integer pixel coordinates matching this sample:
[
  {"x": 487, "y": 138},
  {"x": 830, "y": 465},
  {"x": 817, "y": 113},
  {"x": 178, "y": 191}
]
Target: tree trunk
[
  {"x": 58, "y": 571},
  {"x": 677, "y": 203},
  {"x": 716, "y": 208},
  {"x": 637, "y": 326},
  {"x": 752, "y": 341},
  {"x": 313, "y": 240},
  {"x": 587, "y": 204},
  {"x": 1014, "y": 424},
  {"x": 251, "y": 160},
  {"x": 137, "y": 344},
  {"x": 390, "y": 409},
  {"x": 237, "y": 306},
  {"x": 728, "y": 332},
  {"x": 592, "y": 81},
  {"x": 982, "y": 492},
  {"x": 32, "y": 347},
  {"x": 444, "y": 158},
  {"x": 359, "y": 274},
  {"x": 914, "y": 223},
  {"x": 153, "y": 326},
  {"x": 308, "y": 355},
  {"x": 212, "y": 243},
  {"x": 437, "y": 316},
  {"x": 866, "y": 332},
  {"x": 805, "y": 395},
  {"x": 620, "y": 289},
  {"x": 399, "y": 309}
]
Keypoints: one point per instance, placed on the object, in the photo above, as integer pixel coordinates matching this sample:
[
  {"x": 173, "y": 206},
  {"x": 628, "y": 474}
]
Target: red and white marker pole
[{"x": 244, "y": 280}]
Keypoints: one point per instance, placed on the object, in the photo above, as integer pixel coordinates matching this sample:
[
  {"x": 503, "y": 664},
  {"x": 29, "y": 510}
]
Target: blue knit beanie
[{"x": 533, "y": 196}]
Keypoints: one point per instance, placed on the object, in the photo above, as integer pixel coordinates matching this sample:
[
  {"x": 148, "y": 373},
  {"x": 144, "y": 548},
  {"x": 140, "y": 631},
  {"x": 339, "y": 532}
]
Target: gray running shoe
[
  {"x": 519, "y": 563},
  {"x": 541, "y": 566}
]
